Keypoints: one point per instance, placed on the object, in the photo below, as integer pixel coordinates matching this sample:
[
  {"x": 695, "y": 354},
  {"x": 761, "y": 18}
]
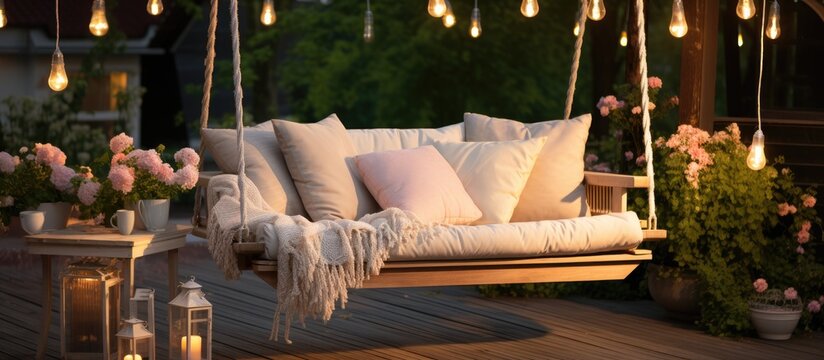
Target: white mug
[
  {"x": 154, "y": 213},
  {"x": 32, "y": 221},
  {"x": 125, "y": 221}
]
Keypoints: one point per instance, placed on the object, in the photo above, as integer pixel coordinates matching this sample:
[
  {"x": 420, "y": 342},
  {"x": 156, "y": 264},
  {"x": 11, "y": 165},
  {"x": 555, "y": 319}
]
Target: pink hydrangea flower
[
  {"x": 166, "y": 174},
  {"x": 591, "y": 158},
  {"x": 86, "y": 172},
  {"x": 783, "y": 209},
  {"x": 790, "y": 294},
  {"x": 799, "y": 250},
  {"x": 604, "y": 111},
  {"x": 187, "y": 156},
  {"x": 655, "y": 82},
  {"x": 629, "y": 155},
  {"x": 803, "y": 236},
  {"x": 7, "y": 162},
  {"x": 186, "y": 177},
  {"x": 806, "y": 226},
  {"x": 760, "y": 285},
  {"x": 814, "y": 306},
  {"x": 641, "y": 160},
  {"x": 120, "y": 143},
  {"x": 87, "y": 192},
  {"x": 48, "y": 154},
  {"x": 808, "y": 200},
  {"x": 118, "y": 159},
  {"x": 122, "y": 178},
  {"x": 636, "y": 110},
  {"x": 148, "y": 160},
  {"x": 61, "y": 177}
]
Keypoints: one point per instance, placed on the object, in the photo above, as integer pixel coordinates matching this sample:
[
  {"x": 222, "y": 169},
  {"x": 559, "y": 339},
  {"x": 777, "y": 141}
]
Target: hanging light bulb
[
  {"x": 529, "y": 8},
  {"x": 740, "y": 38},
  {"x": 368, "y": 24},
  {"x": 98, "y": 26},
  {"x": 596, "y": 10},
  {"x": 576, "y": 29},
  {"x": 57, "y": 76},
  {"x": 154, "y": 7},
  {"x": 267, "y": 13},
  {"x": 745, "y": 9},
  {"x": 623, "y": 40},
  {"x": 756, "y": 159},
  {"x": 3, "y": 19},
  {"x": 448, "y": 17},
  {"x": 678, "y": 23},
  {"x": 475, "y": 28},
  {"x": 773, "y": 28},
  {"x": 436, "y": 8}
]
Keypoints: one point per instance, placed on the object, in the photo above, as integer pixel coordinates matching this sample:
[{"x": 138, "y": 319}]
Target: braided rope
[
  {"x": 576, "y": 58},
  {"x": 241, "y": 163},
  {"x": 209, "y": 64},
  {"x": 642, "y": 52}
]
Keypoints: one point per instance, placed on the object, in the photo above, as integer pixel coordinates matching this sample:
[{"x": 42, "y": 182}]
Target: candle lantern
[
  {"x": 89, "y": 310},
  {"x": 190, "y": 324},
  {"x": 141, "y": 306},
  {"x": 133, "y": 341}
]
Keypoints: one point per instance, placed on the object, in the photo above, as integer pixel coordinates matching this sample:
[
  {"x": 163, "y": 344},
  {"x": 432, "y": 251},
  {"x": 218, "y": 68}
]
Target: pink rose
[
  {"x": 792, "y": 209},
  {"x": 48, "y": 154},
  {"x": 790, "y": 294},
  {"x": 803, "y": 236},
  {"x": 120, "y": 143},
  {"x": 636, "y": 110},
  {"x": 87, "y": 192},
  {"x": 800, "y": 250},
  {"x": 187, "y": 156},
  {"x": 808, "y": 200},
  {"x": 806, "y": 226},
  {"x": 655, "y": 82},
  {"x": 7, "y": 163},
  {"x": 783, "y": 209},
  {"x": 629, "y": 155},
  {"x": 760, "y": 285},
  {"x": 604, "y": 111},
  {"x": 641, "y": 160},
  {"x": 814, "y": 306},
  {"x": 61, "y": 177},
  {"x": 122, "y": 178},
  {"x": 187, "y": 177}
]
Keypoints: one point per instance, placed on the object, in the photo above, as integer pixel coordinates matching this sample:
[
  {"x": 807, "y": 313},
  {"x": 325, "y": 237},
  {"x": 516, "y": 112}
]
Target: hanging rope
[
  {"x": 241, "y": 163},
  {"x": 576, "y": 58},
  {"x": 642, "y": 52},
  {"x": 209, "y": 64}
]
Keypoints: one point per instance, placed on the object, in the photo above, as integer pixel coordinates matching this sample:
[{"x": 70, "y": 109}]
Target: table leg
[
  {"x": 46, "y": 310},
  {"x": 128, "y": 279},
  {"x": 172, "y": 261}
]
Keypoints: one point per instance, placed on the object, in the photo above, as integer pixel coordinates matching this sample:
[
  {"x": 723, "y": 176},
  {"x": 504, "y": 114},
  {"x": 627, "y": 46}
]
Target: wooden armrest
[
  {"x": 615, "y": 180},
  {"x": 205, "y": 176}
]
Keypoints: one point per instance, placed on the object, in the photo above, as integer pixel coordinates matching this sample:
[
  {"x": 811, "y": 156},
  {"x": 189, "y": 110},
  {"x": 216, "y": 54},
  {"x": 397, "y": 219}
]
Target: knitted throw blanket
[{"x": 317, "y": 261}]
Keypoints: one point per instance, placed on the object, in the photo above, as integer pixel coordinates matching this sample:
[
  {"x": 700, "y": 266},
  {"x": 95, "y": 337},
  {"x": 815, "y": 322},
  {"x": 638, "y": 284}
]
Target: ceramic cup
[
  {"x": 154, "y": 213},
  {"x": 32, "y": 221},
  {"x": 125, "y": 221}
]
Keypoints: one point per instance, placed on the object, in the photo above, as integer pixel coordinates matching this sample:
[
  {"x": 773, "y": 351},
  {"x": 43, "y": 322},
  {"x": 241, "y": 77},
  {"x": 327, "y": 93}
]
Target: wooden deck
[{"x": 440, "y": 323}]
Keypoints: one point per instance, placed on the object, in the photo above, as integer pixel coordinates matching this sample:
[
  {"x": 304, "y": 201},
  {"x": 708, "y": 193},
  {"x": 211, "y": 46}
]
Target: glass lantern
[
  {"x": 141, "y": 306},
  {"x": 133, "y": 341},
  {"x": 190, "y": 324},
  {"x": 89, "y": 310}
]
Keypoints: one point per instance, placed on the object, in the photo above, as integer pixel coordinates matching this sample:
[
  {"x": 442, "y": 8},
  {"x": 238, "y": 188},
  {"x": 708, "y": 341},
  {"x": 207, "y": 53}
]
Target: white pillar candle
[{"x": 194, "y": 353}]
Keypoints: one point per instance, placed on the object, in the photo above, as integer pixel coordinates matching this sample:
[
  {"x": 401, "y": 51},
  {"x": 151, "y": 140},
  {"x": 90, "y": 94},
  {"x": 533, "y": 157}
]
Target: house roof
[{"x": 129, "y": 17}]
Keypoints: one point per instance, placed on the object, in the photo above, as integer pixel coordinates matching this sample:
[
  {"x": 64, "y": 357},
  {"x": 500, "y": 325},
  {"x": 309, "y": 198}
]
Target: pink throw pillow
[{"x": 419, "y": 180}]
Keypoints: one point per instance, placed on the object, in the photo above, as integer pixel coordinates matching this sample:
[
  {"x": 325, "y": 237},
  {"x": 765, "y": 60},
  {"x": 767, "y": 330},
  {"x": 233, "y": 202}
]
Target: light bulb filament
[
  {"x": 58, "y": 81},
  {"x": 773, "y": 28},
  {"x": 576, "y": 29},
  {"x": 268, "y": 16},
  {"x": 529, "y": 8},
  {"x": 368, "y": 27},
  {"x": 678, "y": 23},
  {"x": 623, "y": 40},
  {"x": 756, "y": 159},
  {"x": 98, "y": 25},
  {"x": 436, "y": 8},
  {"x": 745, "y": 9},
  {"x": 596, "y": 10},
  {"x": 154, "y": 7},
  {"x": 475, "y": 29}
]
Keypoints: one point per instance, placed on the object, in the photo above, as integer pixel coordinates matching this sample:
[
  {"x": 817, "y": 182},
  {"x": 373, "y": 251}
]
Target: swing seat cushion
[{"x": 583, "y": 235}]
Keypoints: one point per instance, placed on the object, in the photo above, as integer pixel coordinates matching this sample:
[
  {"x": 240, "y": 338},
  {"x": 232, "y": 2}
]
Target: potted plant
[{"x": 774, "y": 313}]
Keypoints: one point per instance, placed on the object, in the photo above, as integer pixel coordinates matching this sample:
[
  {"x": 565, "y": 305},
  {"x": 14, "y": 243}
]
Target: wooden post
[{"x": 698, "y": 61}]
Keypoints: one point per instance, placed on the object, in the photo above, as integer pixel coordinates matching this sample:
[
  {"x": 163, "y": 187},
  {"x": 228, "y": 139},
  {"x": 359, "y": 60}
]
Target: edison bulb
[
  {"x": 368, "y": 27},
  {"x": 529, "y": 8},
  {"x": 740, "y": 39},
  {"x": 98, "y": 26},
  {"x": 58, "y": 81},
  {"x": 267, "y": 13},
  {"x": 448, "y": 17},
  {"x": 436, "y": 8},
  {"x": 3, "y": 19},
  {"x": 596, "y": 10},
  {"x": 756, "y": 159},
  {"x": 154, "y": 7},
  {"x": 773, "y": 28},
  {"x": 475, "y": 28},
  {"x": 678, "y": 23},
  {"x": 576, "y": 29},
  {"x": 745, "y": 9},
  {"x": 623, "y": 40}
]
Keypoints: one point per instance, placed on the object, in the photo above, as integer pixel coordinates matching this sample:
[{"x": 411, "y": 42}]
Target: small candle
[
  {"x": 136, "y": 357},
  {"x": 194, "y": 353}
]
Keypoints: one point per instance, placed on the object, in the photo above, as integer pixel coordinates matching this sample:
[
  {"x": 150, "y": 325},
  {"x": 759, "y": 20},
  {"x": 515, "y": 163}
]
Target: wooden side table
[{"x": 96, "y": 241}]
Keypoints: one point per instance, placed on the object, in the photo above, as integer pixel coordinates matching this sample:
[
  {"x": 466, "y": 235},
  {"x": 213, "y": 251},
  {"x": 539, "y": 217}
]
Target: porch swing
[{"x": 605, "y": 193}]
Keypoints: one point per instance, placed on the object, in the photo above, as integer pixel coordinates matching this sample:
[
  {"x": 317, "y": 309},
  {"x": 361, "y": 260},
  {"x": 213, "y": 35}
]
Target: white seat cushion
[{"x": 584, "y": 235}]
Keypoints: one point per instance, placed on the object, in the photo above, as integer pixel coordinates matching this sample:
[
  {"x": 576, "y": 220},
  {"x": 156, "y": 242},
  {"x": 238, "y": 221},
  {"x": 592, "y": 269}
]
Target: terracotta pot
[
  {"x": 676, "y": 294},
  {"x": 774, "y": 324},
  {"x": 56, "y": 214}
]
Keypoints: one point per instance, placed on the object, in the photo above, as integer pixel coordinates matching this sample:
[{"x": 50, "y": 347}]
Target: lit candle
[
  {"x": 136, "y": 357},
  {"x": 194, "y": 353}
]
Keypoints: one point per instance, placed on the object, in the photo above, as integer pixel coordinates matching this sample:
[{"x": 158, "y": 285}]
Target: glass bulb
[
  {"x": 740, "y": 39},
  {"x": 576, "y": 29},
  {"x": 773, "y": 28},
  {"x": 448, "y": 17},
  {"x": 678, "y": 23},
  {"x": 475, "y": 29},
  {"x": 596, "y": 10},
  {"x": 98, "y": 26},
  {"x": 3, "y": 19},
  {"x": 267, "y": 13},
  {"x": 756, "y": 159},
  {"x": 368, "y": 27},
  {"x": 529, "y": 8},
  {"x": 57, "y": 76},
  {"x": 745, "y": 9},
  {"x": 623, "y": 40},
  {"x": 436, "y": 8},
  {"x": 154, "y": 7}
]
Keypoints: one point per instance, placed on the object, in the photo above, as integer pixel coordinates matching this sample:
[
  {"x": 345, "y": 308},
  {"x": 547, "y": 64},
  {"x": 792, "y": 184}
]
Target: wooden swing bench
[{"x": 605, "y": 193}]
